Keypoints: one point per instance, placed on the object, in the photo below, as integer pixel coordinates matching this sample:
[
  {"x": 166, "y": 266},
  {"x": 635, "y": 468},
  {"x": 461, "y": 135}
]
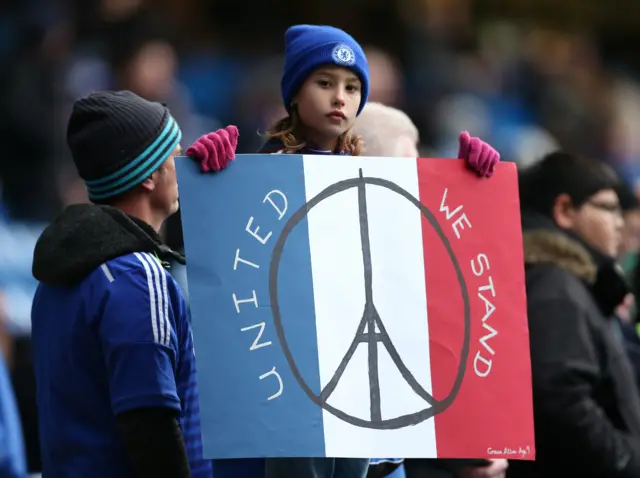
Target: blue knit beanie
[{"x": 308, "y": 47}]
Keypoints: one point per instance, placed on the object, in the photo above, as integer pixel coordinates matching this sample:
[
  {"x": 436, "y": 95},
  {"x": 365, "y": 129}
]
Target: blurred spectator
[
  {"x": 386, "y": 131},
  {"x": 624, "y": 319},
  {"x": 386, "y": 77},
  {"x": 630, "y": 242},
  {"x": 12, "y": 456},
  {"x": 145, "y": 61}
]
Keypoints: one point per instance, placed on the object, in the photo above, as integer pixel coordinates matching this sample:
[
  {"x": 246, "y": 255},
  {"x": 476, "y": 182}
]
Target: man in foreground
[{"x": 114, "y": 360}]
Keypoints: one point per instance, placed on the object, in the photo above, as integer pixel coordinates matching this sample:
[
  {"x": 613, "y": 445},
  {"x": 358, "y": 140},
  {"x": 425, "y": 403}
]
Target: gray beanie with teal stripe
[{"x": 118, "y": 139}]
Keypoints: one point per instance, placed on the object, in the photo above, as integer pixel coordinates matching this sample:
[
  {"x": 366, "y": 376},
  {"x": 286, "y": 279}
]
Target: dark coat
[{"x": 586, "y": 405}]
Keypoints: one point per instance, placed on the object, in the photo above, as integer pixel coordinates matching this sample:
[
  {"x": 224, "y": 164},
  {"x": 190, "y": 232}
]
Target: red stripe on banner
[{"x": 488, "y": 413}]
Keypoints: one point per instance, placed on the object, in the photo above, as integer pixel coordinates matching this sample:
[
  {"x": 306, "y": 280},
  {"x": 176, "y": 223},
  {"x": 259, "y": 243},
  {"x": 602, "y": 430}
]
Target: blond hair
[
  {"x": 380, "y": 126},
  {"x": 287, "y": 131}
]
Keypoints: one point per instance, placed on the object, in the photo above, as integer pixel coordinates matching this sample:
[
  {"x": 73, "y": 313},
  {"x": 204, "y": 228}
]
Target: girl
[{"x": 324, "y": 87}]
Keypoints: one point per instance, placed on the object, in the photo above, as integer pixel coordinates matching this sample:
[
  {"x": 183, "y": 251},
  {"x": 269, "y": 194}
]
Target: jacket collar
[{"x": 544, "y": 242}]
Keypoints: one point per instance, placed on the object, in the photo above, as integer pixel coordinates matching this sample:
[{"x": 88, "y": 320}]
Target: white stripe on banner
[
  {"x": 152, "y": 297},
  {"x": 399, "y": 296}
]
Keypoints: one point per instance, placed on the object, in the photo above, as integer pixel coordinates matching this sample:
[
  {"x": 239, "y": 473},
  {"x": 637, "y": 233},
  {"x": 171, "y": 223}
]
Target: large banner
[{"x": 358, "y": 307}]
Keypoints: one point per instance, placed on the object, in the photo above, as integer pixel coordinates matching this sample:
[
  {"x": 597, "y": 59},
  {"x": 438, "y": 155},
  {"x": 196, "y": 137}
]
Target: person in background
[
  {"x": 630, "y": 241},
  {"x": 113, "y": 351},
  {"x": 624, "y": 320},
  {"x": 389, "y": 132},
  {"x": 586, "y": 409}
]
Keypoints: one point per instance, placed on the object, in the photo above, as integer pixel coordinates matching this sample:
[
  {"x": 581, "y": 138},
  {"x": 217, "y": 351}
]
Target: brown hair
[{"x": 286, "y": 130}]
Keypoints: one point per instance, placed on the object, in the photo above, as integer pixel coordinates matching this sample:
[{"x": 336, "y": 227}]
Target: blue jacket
[
  {"x": 110, "y": 334},
  {"x": 12, "y": 456}
]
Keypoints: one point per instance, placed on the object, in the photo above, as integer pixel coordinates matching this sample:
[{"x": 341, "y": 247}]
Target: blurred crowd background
[{"x": 528, "y": 76}]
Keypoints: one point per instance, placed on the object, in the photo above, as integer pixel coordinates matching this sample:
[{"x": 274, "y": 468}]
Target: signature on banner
[{"x": 507, "y": 452}]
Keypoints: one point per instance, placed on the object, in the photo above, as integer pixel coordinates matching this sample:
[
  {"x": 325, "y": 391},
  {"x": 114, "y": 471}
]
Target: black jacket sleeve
[
  {"x": 155, "y": 443},
  {"x": 571, "y": 427}
]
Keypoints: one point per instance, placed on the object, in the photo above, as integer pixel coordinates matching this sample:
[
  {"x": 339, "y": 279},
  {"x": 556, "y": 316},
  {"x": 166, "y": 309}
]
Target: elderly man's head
[{"x": 386, "y": 132}]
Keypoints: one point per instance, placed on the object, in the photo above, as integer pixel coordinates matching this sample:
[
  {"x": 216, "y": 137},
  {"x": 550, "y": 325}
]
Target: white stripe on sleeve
[
  {"x": 163, "y": 303},
  {"x": 152, "y": 297},
  {"x": 107, "y": 272}
]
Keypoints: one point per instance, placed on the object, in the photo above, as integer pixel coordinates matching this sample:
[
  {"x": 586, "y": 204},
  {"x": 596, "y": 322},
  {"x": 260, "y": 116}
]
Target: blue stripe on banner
[{"x": 238, "y": 351}]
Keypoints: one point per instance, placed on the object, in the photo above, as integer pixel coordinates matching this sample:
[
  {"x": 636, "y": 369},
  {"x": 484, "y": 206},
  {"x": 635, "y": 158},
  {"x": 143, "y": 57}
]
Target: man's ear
[
  {"x": 149, "y": 184},
  {"x": 563, "y": 211}
]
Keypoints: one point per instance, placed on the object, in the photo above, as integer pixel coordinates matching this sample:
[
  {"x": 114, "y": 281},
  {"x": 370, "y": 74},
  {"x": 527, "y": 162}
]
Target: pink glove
[
  {"x": 480, "y": 156},
  {"x": 215, "y": 150}
]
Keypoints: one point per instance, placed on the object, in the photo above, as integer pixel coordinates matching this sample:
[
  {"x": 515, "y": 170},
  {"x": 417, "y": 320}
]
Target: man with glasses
[{"x": 586, "y": 407}]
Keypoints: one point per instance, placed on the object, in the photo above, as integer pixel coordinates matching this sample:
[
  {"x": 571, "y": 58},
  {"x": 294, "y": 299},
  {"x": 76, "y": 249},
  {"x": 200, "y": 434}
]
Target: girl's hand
[
  {"x": 480, "y": 156},
  {"x": 214, "y": 151}
]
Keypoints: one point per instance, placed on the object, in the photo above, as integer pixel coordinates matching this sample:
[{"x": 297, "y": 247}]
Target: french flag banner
[{"x": 358, "y": 307}]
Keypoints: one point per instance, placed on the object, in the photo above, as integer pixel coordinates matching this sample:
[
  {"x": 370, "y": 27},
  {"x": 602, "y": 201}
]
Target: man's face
[
  {"x": 599, "y": 222},
  {"x": 164, "y": 196}
]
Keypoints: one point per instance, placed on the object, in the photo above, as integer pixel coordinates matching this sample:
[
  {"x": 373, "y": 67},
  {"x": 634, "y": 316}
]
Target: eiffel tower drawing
[{"x": 371, "y": 330}]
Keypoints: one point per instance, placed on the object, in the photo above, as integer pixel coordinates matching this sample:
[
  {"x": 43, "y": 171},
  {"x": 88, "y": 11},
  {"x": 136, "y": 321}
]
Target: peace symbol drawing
[{"x": 371, "y": 320}]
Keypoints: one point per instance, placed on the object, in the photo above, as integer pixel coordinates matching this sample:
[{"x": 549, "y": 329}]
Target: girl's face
[{"x": 327, "y": 104}]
